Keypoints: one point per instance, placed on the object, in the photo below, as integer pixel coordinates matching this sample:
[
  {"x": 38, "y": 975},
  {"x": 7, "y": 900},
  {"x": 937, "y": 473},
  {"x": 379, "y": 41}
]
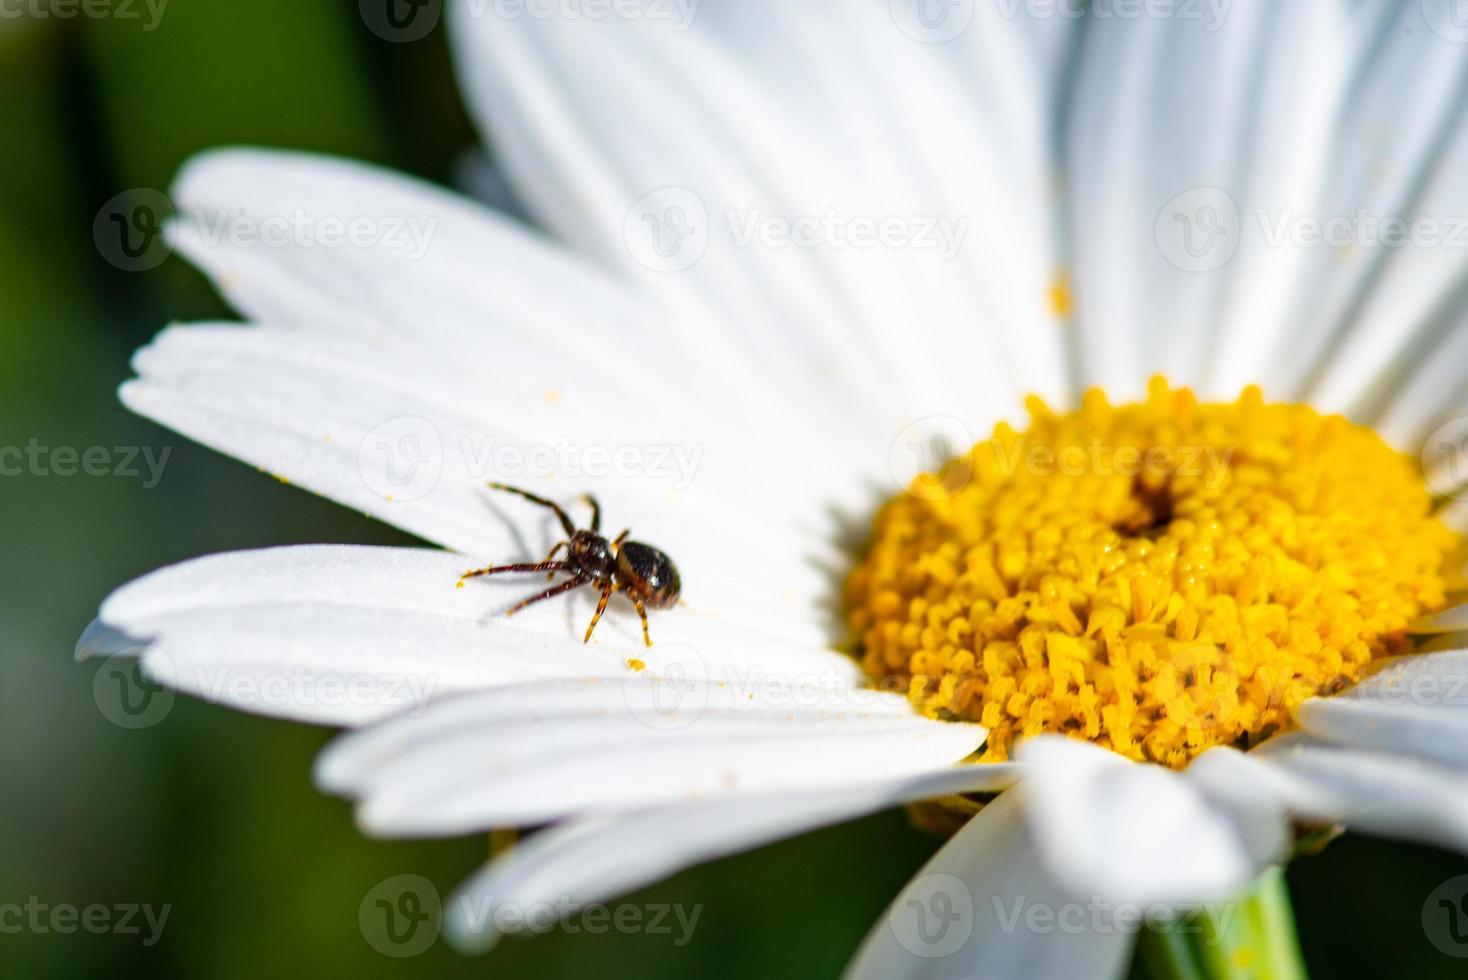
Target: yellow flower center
[{"x": 1158, "y": 577}]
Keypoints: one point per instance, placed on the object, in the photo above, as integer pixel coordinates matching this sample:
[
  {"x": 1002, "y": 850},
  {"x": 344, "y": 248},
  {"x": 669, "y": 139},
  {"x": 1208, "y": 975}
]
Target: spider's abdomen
[{"x": 648, "y": 574}]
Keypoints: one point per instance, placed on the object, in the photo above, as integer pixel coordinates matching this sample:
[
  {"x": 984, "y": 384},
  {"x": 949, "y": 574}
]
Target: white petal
[
  {"x": 1366, "y": 313},
  {"x": 594, "y": 859},
  {"x": 102, "y": 640},
  {"x": 534, "y": 329},
  {"x": 1378, "y": 792},
  {"x": 537, "y": 752},
  {"x": 1134, "y": 833},
  {"x": 404, "y": 438},
  {"x": 561, "y": 101},
  {"x": 1167, "y": 144},
  {"x": 1449, "y": 620},
  {"x": 1416, "y": 706},
  {"x": 1428, "y": 392},
  {"x": 1303, "y": 73},
  {"x": 963, "y": 915},
  {"x": 345, "y": 635}
]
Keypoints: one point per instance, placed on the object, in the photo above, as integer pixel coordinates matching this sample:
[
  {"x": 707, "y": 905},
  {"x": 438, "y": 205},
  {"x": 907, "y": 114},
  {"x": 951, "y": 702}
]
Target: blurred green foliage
[{"x": 213, "y": 813}]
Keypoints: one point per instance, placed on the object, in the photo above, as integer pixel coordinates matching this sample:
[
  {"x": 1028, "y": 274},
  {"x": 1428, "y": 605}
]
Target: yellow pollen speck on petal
[
  {"x": 552, "y": 396},
  {"x": 1159, "y": 577},
  {"x": 1061, "y": 301},
  {"x": 637, "y": 665}
]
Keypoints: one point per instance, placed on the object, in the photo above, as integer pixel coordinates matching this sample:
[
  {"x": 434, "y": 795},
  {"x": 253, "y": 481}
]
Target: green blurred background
[{"x": 210, "y": 812}]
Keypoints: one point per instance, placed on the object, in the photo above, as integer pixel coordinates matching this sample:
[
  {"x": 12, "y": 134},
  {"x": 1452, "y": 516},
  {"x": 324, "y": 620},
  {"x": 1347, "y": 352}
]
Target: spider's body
[{"x": 644, "y": 573}]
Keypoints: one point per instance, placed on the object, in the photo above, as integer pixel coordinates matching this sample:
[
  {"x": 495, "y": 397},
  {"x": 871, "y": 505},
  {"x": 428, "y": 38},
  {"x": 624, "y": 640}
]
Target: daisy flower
[{"x": 789, "y": 263}]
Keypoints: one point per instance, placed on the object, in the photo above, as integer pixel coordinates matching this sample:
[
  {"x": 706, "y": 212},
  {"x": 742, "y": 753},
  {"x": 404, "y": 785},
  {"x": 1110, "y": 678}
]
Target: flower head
[{"x": 736, "y": 328}]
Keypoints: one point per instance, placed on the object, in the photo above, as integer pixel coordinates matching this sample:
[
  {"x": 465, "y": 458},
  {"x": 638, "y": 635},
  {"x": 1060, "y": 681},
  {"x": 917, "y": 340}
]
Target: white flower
[{"x": 781, "y": 235}]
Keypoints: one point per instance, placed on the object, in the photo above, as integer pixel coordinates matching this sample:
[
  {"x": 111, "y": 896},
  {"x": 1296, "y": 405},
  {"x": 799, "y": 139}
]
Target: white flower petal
[
  {"x": 1449, "y": 620},
  {"x": 1416, "y": 706},
  {"x": 563, "y": 101},
  {"x": 1167, "y": 131},
  {"x": 345, "y": 635},
  {"x": 102, "y": 640},
  {"x": 1429, "y": 392},
  {"x": 466, "y": 287},
  {"x": 593, "y": 859},
  {"x": 963, "y": 915},
  {"x": 1301, "y": 87},
  {"x": 1377, "y": 792},
  {"x": 1365, "y": 312},
  {"x": 1134, "y": 833},
  {"x": 401, "y": 439},
  {"x": 537, "y": 752},
  {"x": 1260, "y": 796}
]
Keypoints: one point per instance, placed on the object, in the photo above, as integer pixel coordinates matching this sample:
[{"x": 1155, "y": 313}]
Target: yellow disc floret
[{"x": 1159, "y": 577}]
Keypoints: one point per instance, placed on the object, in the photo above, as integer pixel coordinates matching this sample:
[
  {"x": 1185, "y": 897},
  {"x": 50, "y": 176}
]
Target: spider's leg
[
  {"x": 642, "y": 611},
  {"x": 534, "y": 566},
  {"x": 617, "y": 542},
  {"x": 601, "y": 607},
  {"x": 560, "y": 514},
  {"x": 550, "y": 593},
  {"x": 595, "y": 511},
  {"x": 559, "y": 545}
]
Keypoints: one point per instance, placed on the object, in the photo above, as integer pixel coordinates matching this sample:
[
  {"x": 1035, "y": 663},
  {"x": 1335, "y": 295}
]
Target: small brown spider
[{"x": 648, "y": 576}]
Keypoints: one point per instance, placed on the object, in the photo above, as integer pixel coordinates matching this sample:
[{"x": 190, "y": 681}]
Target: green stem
[{"x": 1251, "y": 937}]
